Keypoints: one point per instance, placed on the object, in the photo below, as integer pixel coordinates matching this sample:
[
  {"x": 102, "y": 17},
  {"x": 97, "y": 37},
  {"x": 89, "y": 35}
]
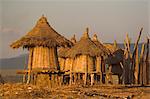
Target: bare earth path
[{"x": 23, "y": 91}]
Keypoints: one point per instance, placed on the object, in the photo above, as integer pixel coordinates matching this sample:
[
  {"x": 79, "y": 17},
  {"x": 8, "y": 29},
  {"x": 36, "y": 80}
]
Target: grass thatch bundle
[
  {"x": 62, "y": 52},
  {"x": 41, "y": 35}
]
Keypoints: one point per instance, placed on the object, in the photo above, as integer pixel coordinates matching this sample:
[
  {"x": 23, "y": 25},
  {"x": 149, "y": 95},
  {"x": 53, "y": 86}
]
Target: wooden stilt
[
  {"x": 24, "y": 76},
  {"x": 92, "y": 79},
  {"x": 136, "y": 71},
  {"x": 30, "y": 65}
]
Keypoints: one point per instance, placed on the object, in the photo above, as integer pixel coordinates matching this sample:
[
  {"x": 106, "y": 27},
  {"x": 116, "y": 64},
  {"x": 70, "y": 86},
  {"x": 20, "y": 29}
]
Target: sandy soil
[{"x": 24, "y": 91}]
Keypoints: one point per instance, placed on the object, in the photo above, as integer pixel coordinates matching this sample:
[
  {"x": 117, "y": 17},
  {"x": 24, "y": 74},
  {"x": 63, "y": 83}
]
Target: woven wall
[
  {"x": 43, "y": 57},
  {"x": 83, "y": 63}
]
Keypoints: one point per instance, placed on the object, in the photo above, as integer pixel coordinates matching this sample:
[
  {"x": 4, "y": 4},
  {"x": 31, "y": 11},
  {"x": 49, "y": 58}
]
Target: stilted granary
[
  {"x": 83, "y": 55},
  {"x": 42, "y": 42}
]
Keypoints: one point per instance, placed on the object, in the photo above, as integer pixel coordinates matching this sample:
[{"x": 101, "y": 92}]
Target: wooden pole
[
  {"x": 123, "y": 74},
  {"x": 30, "y": 65},
  {"x": 147, "y": 62},
  {"x": 128, "y": 45},
  {"x": 92, "y": 79},
  {"x": 133, "y": 58},
  {"x": 136, "y": 71},
  {"x": 24, "y": 75},
  {"x": 141, "y": 65},
  {"x": 127, "y": 61}
]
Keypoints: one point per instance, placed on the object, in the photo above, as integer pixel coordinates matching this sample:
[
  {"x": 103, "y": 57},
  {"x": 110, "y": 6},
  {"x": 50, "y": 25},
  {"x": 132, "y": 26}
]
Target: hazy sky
[{"x": 110, "y": 19}]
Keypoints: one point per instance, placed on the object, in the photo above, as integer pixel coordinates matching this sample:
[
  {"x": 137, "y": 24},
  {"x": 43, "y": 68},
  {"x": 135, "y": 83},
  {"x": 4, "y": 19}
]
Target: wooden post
[
  {"x": 30, "y": 65},
  {"x": 133, "y": 58},
  {"x": 127, "y": 61},
  {"x": 123, "y": 74},
  {"x": 136, "y": 71},
  {"x": 110, "y": 80},
  {"x": 141, "y": 64},
  {"x": 24, "y": 75},
  {"x": 75, "y": 78},
  {"x": 92, "y": 79},
  {"x": 147, "y": 60},
  {"x": 128, "y": 45}
]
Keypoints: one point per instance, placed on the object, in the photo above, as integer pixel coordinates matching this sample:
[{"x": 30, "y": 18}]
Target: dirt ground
[{"x": 24, "y": 91}]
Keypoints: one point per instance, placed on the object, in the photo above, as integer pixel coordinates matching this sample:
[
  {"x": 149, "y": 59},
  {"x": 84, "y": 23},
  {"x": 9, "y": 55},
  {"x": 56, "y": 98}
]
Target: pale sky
[{"x": 110, "y": 19}]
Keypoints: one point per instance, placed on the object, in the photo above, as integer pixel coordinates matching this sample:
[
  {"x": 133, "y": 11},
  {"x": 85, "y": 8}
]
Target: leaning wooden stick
[
  {"x": 128, "y": 45},
  {"x": 147, "y": 61},
  {"x": 133, "y": 58},
  {"x": 136, "y": 44},
  {"x": 136, "y": 68},
  {"x": 141, "y": 65}
]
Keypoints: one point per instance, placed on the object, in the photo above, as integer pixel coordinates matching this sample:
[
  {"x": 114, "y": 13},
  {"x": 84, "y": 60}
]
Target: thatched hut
[
  {"x": 83, "y": 55},
  {"x": 42, "y": 42},
  {"x": 100, "y": 64}
]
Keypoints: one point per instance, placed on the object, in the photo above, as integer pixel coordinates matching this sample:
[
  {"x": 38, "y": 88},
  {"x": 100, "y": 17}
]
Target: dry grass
[{"x": 72, "y": 92}]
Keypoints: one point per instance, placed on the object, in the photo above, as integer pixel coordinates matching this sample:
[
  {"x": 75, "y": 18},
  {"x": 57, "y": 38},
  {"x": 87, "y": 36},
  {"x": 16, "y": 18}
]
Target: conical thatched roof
[
  {"x": 104, "y": 50},
  {"x": 41, "y": 35},
  {"x": 84, "y": 47},
  {"x": 63, "y": 51}
]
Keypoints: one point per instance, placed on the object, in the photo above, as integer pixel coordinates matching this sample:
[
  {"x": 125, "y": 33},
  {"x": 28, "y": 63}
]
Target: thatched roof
[
  {"x": 63, "y": 50},
  {"x": 100, "y": 45},
  {"x": 41, "y": 35},
  {"x": 85, "y": 47}
]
